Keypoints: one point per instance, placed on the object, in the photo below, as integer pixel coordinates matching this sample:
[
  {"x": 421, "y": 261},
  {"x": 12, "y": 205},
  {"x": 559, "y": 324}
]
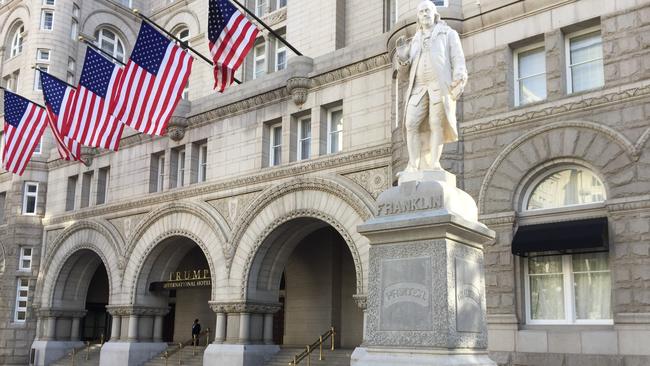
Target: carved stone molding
[
  {"x": 60, "y": 313},
  {"x": 88, "y": 154},
  {"x": 298, "y": 87},
  {"x": 127, "y": 310},
  {"x": 245, "y": 307},
  {"x": 361, "y": 300},
  {"x": 275, "y": 17},
  {"x": 176, "y": 128}
]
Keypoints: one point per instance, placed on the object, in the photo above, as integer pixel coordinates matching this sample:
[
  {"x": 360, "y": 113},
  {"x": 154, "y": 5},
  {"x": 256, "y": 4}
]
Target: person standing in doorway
[{"x": 196, "y": 330}]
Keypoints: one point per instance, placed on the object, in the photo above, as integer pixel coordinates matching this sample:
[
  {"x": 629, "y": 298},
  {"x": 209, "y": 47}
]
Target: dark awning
[{"x": 568, "y": 236}]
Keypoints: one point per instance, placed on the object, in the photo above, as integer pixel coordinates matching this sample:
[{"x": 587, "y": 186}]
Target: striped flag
[
  {"x": 93, "y": 123},
  {"x": 24, "y": 125},
  {"x": 153, "y": 82},
  {"x": 58, "y": 103},
  {"x": 231, "y": 36}
]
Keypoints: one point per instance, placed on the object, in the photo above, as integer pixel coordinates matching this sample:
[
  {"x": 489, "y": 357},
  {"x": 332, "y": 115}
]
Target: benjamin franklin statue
[{"x": 435, "y": 64}]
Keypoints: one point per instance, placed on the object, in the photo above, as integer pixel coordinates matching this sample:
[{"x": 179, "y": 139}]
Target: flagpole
[
  {"x": 183, "y": 44},
  {"x": 93, "y": 46},
  {"x": 280, "y": 38},
  {"x": 64, "y": 82},
  {"x": 20, "y": 96}
]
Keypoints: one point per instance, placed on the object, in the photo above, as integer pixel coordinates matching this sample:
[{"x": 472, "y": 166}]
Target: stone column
[
  {"x": 220, "y": 328},
  {"x": 116, "y": 328},
  {"x": 158, "y": 328},
  {"x": 74, "y": 330},
  {"x": 362, "y": 302},
  {"x": 133, "y": 328},
  {"x": 50, "y": 334},
  {"x": 244, "y": 328},
  {"x": 426, "y": 289},
  {"x": 268, "y": 328}
]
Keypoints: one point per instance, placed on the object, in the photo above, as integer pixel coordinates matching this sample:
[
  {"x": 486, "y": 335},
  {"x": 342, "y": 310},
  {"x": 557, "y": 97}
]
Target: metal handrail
[
  {"x": 311, "y": 347},
  {"x": 183, "y": 344}
]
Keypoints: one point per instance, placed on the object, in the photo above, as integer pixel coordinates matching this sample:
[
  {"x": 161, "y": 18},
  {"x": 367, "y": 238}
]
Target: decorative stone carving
[
  {"x": 88, "y": 154},
  {"x": 275, "y": 17},
  {"x": 60, "y": 313},
  {"x": 298, "y": 87},
  {"x": 125, "y": 310},
  {"x": 176, "y": 128},
  {"x": 245, "y": 307},
  {"x": 373, "y": 181},
  {"x": 361, "y": 300}
]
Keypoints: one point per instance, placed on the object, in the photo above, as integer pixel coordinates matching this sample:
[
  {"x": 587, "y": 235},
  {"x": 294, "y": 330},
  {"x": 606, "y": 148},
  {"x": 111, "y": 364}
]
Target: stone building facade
[{"x": 262, "y": 188}]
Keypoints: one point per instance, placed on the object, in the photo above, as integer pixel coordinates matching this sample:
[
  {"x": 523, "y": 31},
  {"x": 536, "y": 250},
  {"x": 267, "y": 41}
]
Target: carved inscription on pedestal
[
  {"x": 469, "y": 315},
  {"x": 406, "y": 295}
]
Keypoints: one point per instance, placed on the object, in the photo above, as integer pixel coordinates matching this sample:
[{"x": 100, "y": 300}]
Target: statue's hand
[
  {"x": 456, "y": 89},
  {"x": 402, "y": 49}
]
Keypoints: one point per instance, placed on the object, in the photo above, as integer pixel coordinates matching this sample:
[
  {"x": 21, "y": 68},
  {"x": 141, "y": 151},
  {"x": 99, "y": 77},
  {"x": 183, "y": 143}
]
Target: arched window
[
  {"x": 566, "y": 186},
  {"x": 110, "y": 42},
  {"x": 183, "y": 33},
  {"x": 566, "y": 261},
  {"x": 17, "y": 40}
]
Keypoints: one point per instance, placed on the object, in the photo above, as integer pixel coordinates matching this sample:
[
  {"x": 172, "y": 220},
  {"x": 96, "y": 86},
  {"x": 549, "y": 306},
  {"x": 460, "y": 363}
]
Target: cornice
[
  {"x": 553, "y": 109},
  {"x": 621, "y": 205},
  {"x": 245, "y": 307},
  {"x": 267, "y": 175}
]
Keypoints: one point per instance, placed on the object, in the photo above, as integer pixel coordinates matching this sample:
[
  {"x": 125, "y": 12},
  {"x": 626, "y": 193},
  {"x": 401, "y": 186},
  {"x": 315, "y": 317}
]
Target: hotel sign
[{"x": 184, "y": 279}]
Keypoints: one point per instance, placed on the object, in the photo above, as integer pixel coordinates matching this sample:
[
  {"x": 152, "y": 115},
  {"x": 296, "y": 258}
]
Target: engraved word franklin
[
  {"x": 406, "y": 292},
  {"x": 412, "y": 204}
]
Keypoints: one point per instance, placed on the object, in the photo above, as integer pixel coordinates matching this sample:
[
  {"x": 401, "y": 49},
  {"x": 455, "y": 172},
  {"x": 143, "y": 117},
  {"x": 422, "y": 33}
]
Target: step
[
  {"x": 339, "y": 357},
  {"x": 189, "y": 358},
  {"x": 80, "y": 358}
]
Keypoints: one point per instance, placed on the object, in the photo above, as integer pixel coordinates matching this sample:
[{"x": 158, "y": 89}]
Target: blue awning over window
[{"x": 563, "y": 237}]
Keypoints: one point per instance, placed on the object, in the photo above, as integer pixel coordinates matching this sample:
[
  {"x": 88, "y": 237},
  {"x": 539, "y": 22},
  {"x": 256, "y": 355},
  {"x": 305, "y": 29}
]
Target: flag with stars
[
  {"x": 24, "y": 126},
  {"x": 231, "y": 36},
  {"x": 153, "y": 82},
  {"x": 93, "y": 123},
  {"x": 58, "y": 103}
]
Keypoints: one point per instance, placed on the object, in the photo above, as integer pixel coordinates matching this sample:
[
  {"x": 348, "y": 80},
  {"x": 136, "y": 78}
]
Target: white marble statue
[{"x": 435, "y": 64}]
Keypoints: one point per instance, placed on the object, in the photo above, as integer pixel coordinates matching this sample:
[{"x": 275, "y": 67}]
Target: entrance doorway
[{"x": 96, "y": 324}]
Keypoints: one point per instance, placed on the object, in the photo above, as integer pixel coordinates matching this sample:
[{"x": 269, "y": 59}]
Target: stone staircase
[
  {"x": 339, "y": 357},
  {"x": 80, "y": 357},
  {"x": 188, "y": 356}
]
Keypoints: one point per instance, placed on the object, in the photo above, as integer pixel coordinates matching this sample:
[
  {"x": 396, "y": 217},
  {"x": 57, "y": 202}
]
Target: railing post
[
  {"x": 207, "y": 338},
  {"x": 308, "y": 356},
  {"x": 320, "y": 348},
  {"x": 87, "y": 350},
  {"x": 74, "y": 352},
  {"x": 180, "y": 353},
  {"x": 332, "y": 330},
  {"x": 166, "y": 356},
  {"x": 101, "y": 339}
]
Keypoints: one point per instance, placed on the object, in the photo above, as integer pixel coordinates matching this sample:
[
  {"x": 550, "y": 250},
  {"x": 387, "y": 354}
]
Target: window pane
[
  {"x": 26, "y": 263},
  {"x": 276, "y": 155},
  {"x": 31, "y": 188},
  {"x": 277, "y": 136},
  {"x": 27, "y": 251},
  {"x": 567, "y": 187},
  {"x": 586, "y": 48},
  {"x": 31, "y": 205},
  {"x": 546, "y": 288},
  {"x": 337, "y": 121},
  {"x": 592, "y": 286},
  {"x": 532, "y": 89},
  {"x": 587, "y": 76},
  {"x": 532, "y": 62},
  {"x": 305, "y": 146}
]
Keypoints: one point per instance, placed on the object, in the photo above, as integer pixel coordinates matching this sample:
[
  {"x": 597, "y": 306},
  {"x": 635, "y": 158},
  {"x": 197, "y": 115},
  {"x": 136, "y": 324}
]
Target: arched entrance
[
  {"x": 96, "y": 325},
  {"x": 306, "y": 265}
]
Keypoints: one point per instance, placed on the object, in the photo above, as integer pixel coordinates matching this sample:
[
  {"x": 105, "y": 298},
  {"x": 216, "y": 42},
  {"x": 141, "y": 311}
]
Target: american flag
[
  {"x": 231, "y": 37},
  {"x": 153, "y": 83},
  {"x": 24, "y": 125},
  {"x": 93, "y": 123},
  {"x": 58, "y": 102}
]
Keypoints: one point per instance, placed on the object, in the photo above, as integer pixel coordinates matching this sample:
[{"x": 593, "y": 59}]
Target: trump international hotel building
[{"x": 245, "y": 215}]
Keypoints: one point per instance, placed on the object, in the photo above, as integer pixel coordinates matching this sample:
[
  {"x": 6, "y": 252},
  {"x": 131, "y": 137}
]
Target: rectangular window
[
  {"x": 86, "y": 181},
  {"x": 43, "y": 55},
  {"x": 25, "y": 259},
  {"x": 334, "y": 130},
  {"x": 530, "y": 75},
  {"x": 584, "y": 52},
  {"x": 203, "y": 162},
  {"x": 72, "y": 192},
  {"x": 75, "y": 10},
  {"x": 281, "y": 4},
  {"x": 22, "y": 294},
  {"x": 390, "y": 11},
  {"x": 103, "y": 177},
  {"x": 37, "y": 149},
  {"x": 30, "y": 197},
  {"x": 275, "y": 145},
  {"x": 70, "y": 79},
  {"x": 304, "y": 138},
  {"x": 3, "y": 198},
  {"x": 74, "y": 30},
  {"x": 48, "y": 2},
  {"x": 72, "y": 65},
  {"x": 37, "y": 77},
  {"x": 186, "y": 91},
  {"x": 47, "y": 20},
  {"x": 161, "y": 174},
  {"x": 259, "y": 65},
  {"x": 568, "y": 289},
  {"x": 180, "y": 168},
  {"x": 260, "y": 7},
  {"x": 280, "y": 55}
]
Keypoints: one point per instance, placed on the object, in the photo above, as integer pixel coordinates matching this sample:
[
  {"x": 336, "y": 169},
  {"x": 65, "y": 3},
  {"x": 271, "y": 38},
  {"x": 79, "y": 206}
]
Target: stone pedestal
[{"x": 426, "y": 298}]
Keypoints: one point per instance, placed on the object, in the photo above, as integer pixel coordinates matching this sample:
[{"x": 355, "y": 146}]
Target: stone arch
[
  {"x": 68, "y": 252},
  {"x": 120, "y": 26},
  {"x": 329, "y": 201},
  {"x": 198, "y": 222},
  {"x": 2, "y": 258},
  {"x": 605, "y": 150},
  {"x": 18, "y": 14},
  {"x": 187, "y": 18}
]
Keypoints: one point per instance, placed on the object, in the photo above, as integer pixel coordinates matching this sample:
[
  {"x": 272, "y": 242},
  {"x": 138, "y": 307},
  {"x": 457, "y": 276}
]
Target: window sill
[{"x": 566, "y": 327}]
